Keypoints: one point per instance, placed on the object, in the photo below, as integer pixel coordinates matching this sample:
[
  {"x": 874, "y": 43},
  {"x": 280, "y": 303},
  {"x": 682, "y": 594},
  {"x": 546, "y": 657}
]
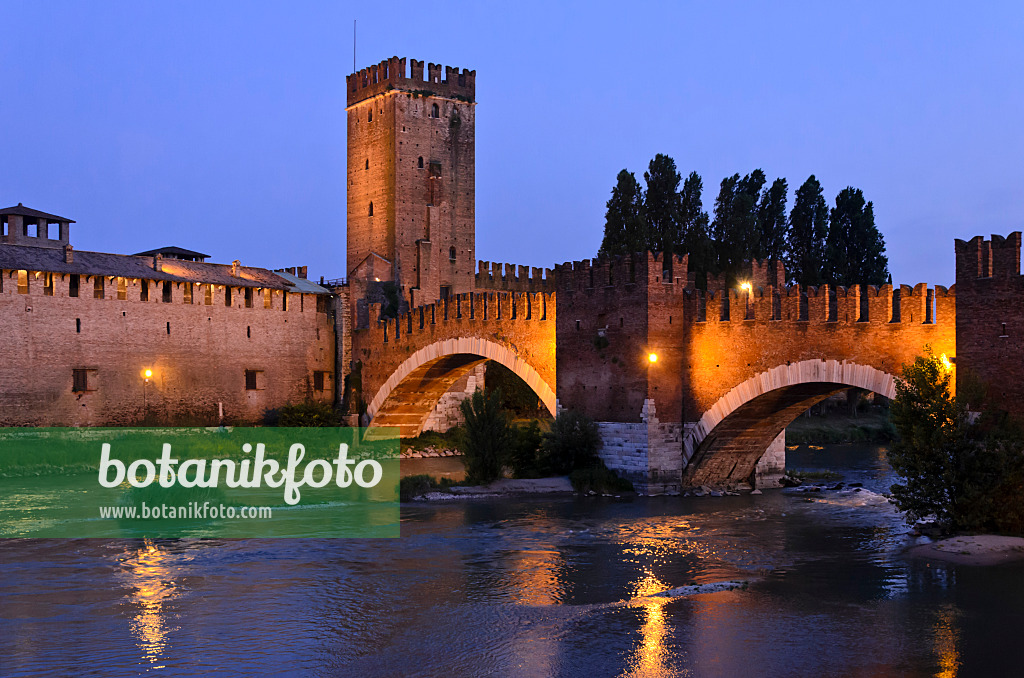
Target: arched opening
[
  {"x": 731, "y": 437},
  {"x": 435, "y": 112},
  {"x": 419, "y": 163},
  {"x": 409, "y": 396}
]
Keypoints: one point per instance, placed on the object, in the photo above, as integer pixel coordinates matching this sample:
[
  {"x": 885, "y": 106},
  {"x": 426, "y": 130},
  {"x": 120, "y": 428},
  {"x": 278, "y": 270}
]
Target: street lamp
[
  {"x": 652, "y": 357},
  {"x": 748, "y": 288}
]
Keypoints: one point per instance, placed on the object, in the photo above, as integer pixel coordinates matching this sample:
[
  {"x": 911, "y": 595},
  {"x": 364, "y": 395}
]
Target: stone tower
[{"x": 411, "y": 179}]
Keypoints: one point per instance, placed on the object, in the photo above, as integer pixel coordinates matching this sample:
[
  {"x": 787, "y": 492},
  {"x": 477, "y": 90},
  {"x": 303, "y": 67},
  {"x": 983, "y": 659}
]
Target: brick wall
[
  {"x": 990, "y": 318},
  {"x": 198, "y": 355}
]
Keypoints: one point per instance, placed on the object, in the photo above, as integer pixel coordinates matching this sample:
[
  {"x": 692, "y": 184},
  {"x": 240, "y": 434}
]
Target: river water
[{"x": 784, "y": 584}]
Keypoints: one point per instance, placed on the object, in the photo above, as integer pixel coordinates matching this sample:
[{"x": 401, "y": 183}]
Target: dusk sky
[{"x": 220, "y": 126}]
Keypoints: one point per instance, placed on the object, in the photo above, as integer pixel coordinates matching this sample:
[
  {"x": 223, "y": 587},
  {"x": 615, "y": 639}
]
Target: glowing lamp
[
  {"x": 946, "y": 363},
  {"x": 652, "y": 357},
  {"x": 148, "y": 374},
  {"x": 746, "y": 287}
]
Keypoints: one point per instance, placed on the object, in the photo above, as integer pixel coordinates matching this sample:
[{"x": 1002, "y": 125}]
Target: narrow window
[
  {"x": 451, "y": 253},
  {"x": 144, "y": 290},
  {"x": 22, "y": 282},
  {"x": 208, "y": 295},
  {"x": 369, "y": 117},
  {"x": 302, "y": 303},
  {"x": 78, "y": 325},
  {"x": 187, "y": 296},
  {"x": 248, "y": 297},
  {"x": 367, "y": 163},
  {"x": 168, "y": 328},
  {"x": 1003, "y": 333},
  {"x": 97, "y": 287},
  {"x": 47, "y": 284},
  {"x": 73, "y": 283},
  {"x": 577, "y": 325},
  {"x": 122, "y": 288},
  {"x": 371, "y": 209},
  {"x": 318, "y": 381},
  {"x": 268, "y": 298},
  {"x": 79, "y": 380},
  {"x": 248, "y": 332},
  {"x": 250, "y": 380},
  {"x": 227, "y": 296},
  {"x": 419, "y": 163},
  {"x": 284, "y": 301},
  {"x": 167, "y": 292},
  {"x": 435, "y": 112}
]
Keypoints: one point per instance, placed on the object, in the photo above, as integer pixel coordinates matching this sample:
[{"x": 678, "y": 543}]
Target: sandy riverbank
[{"x": 982, "y": 549}]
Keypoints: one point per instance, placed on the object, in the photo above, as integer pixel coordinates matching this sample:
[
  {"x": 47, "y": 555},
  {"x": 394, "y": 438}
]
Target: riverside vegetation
[
  {"x": 962, "y": 471},
  {"x": 493, "y": 446}
]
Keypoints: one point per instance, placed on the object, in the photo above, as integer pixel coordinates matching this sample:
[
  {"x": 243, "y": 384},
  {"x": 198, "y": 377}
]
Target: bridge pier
[{"x": 648, "y": 454}]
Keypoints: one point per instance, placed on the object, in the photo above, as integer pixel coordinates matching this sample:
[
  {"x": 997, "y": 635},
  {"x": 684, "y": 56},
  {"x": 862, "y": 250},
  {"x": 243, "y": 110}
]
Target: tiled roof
[
  {"x": 21, "y": 210},
  {"x": 15, "y": 257},
  {"x": 172, "y": 251}
]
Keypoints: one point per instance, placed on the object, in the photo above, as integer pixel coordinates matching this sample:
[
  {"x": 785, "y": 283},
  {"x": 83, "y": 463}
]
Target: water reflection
[
  {"x": 149, "y": 574},
  {"x": 650, "y": 656},
  {"x": 947, "y": 642}
]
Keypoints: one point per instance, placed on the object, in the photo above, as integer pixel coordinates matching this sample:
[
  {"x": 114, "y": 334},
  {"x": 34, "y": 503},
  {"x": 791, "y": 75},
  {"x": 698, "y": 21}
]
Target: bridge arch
[
  {"x": 731, "y": 436},
  {"x": 409, "y": 395}
]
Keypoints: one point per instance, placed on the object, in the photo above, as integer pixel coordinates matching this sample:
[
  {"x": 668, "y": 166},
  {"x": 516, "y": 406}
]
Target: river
[{"x": 783, "y": 584}]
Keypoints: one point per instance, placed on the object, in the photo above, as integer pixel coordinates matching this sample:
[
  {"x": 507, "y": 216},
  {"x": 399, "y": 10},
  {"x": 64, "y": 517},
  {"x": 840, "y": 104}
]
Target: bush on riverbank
[
  {"x": 487, "y": 437},
  {"x": 598, "y": 479},
  {"x": 309, "y": 413},
  {"x": 968, "y": 476},
  {"x": 571, "y": 444},
  {"x": 437, "y": 440}
]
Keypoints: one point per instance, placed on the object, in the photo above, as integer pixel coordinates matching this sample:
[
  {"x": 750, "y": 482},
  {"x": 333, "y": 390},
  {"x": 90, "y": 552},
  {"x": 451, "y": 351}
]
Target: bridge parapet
[{"x": 510, "y": 277}]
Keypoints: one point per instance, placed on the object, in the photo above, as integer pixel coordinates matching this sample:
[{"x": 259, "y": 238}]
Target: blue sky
[{"x": 220, "y": 126}]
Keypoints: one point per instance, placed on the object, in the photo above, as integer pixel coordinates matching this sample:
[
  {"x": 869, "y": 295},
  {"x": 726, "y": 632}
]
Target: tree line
[{"x": 838, "y": 245}]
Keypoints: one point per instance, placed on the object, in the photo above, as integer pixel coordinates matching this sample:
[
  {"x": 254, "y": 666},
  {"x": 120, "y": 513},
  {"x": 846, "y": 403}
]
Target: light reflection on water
[{"x": 532, "y": 587}]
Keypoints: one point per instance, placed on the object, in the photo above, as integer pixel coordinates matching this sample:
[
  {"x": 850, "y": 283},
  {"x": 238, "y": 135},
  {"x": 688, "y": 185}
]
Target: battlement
[
  {"x": 395, "y": 74},
  {"x": 478, "y": 307},
  {"x": 878, "y": 304},
  {"x": 497, "y": 276},
  {"x": 995, "y": 258},
  {"x": 624, "y": 271}
]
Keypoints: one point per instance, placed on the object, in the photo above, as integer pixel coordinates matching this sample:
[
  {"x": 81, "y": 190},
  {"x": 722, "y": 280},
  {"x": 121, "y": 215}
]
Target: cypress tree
[
  {"x": 855, "y": 249},
  {"x": 771, "y": 217},
  {"x": 625, "y": 228},
  {"x": 808, "y": 227},
  {"x": 662, "y": 205}
]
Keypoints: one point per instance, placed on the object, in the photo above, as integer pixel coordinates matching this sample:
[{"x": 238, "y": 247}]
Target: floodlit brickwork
[
  {"x": 411, "y": 179},
  {"x": 81, "y": 360},
  {"x": 990, "y": 318}
]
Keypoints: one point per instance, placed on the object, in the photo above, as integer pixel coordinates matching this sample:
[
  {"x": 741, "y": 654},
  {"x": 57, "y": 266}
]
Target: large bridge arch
[
  {"x": 408, "y": 396},
  {"x": 727, "y": 442}
]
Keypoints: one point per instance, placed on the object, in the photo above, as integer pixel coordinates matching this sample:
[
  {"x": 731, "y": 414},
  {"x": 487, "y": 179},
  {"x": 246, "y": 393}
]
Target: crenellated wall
[
  {"x": 990, "y": 319},
  {"x": 410, "y": 361},
  {"x": 393, "y": 73},
  {"x": 495, "y": 276},
  {"x": 616, "y": 314},
  {"x": 198, "y": 352}
]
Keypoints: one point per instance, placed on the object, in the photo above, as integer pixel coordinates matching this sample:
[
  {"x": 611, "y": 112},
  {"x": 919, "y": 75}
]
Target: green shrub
[
  {"x": 599, "y": 479},
  {"x": 523, "y": 454},
  {"x": 571, "y": 444},
  {"x": 309, "y": 413},
  {"x": 966, "y": 477},
  {"x": 410, "y": 487},
  {"x": 487, "y": 438}
]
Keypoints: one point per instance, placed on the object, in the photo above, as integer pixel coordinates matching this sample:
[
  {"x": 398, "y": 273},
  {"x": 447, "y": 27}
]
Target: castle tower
[{"x": 411, "y": 179}]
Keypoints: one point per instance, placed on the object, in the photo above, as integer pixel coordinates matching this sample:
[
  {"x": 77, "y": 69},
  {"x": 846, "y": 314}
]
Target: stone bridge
[
  {"x": 732, "y": 367},
  {"x": 409, "y": 362}
]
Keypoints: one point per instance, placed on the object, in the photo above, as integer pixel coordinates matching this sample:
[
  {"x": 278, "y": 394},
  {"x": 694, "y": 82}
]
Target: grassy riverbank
[{"x": 866, "y": 427}]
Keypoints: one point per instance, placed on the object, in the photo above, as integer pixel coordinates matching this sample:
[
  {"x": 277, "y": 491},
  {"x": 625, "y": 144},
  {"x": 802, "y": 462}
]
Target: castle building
[
  {"x": 98, "y": 339},
  {"x": 411, "y": 179}
]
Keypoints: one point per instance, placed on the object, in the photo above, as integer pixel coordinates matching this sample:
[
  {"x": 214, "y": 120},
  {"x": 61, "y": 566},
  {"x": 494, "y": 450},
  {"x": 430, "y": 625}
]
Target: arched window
[
  {"x": 371, "y": 209},
  {"x": 435, "y": 112},
  {"x": 451, "y": 253},
  {"x": 419, "y": 163},
  {"x": 367, "y": 163},
  {"x": 369, "y": 117}
]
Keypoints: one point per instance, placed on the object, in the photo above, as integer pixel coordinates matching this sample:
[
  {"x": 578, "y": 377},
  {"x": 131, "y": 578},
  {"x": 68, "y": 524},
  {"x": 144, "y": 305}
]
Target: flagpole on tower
[{"x": 353, "y": 45}]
